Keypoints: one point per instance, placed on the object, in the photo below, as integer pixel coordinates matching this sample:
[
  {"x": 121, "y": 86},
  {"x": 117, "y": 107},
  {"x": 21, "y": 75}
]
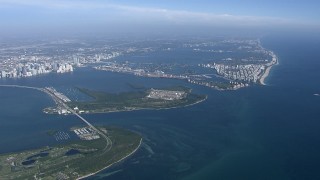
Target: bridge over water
[{"x": 60, "y": 102}]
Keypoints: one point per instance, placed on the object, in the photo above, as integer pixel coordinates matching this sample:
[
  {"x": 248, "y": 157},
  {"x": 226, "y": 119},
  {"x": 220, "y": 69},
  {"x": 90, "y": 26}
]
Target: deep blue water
[{"x": 260, "y": 132}]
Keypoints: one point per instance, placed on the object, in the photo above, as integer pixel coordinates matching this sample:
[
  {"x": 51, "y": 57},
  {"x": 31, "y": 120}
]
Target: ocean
[{"x": 260, "y": 132}]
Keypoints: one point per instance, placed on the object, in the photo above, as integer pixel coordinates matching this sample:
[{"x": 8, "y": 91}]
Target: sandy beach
[
  {"x": 113, "y": 163},
  {"x": 266, "y": 73}
]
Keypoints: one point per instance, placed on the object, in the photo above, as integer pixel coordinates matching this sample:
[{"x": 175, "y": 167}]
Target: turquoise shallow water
[{"x": 261, "y": 132}]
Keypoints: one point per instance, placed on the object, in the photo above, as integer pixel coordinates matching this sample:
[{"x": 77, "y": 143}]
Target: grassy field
[
  {"x": 108, "y": 102},
  {"x": 72, "y": 160}
]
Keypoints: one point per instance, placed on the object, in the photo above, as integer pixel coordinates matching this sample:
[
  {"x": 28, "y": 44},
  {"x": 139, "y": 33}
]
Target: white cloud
[
  {"x": 189, "y": 17},
  {"x": 52, "y": 4},
  {"x": 146, "y": 13}
]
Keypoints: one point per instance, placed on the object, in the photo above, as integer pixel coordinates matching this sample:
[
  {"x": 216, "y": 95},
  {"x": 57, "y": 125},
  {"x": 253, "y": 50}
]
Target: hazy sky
[{"x": 99, "y": 16}]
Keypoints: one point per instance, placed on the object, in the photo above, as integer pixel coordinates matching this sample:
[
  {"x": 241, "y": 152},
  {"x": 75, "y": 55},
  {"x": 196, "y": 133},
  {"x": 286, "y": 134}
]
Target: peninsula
[
  {"x": 104, "y": 102},
  {"x": 77, "y": 159}
]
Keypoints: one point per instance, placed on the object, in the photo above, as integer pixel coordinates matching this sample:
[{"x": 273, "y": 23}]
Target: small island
[
  {"x": 88, "y": 155},
  {"x": 103, "y": 102}
]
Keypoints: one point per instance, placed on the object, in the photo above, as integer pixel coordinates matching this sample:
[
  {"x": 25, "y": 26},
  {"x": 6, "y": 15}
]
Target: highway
[
  {"x": 61, "y": 103},
  {"x": 25, "y": 87}
]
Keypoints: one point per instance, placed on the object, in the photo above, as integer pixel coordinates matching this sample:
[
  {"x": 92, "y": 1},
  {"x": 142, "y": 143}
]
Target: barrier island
[
  {"x": 77, "y": 159},
  {"x": 104, "y": 102}
]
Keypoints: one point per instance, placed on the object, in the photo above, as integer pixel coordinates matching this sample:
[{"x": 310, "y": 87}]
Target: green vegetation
[
  {"x": 222, "y": 85},
  {"x": 51, "y": 132},
  {"x": 72, "y": 160},
  {"x": 126, "y": 101}
]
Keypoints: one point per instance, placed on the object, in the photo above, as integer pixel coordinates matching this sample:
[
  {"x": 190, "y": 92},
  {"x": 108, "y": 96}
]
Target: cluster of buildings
[
  {"x": 123, "y": 68},
  {"x": 166, "y": 94},
  {"x": 245, "y": 73},
  {"x": 220, "y": 86},
  {"x": 34, "y": 62},
  {"x": 32, "y": 69},
  {"x": 109, "y": 56},
  {"x": 81, "y": 58},
  {"x": 86, "y": 133}
]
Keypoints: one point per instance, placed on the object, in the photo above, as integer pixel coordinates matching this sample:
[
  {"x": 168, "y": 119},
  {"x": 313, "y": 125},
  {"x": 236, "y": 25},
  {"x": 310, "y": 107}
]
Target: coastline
[
  {"x": 265, "y": 75},
  {"x": 91, "y": 174},
  {"x": 267, "y": 71},
  {"x": 138, "y": 109},
  {"x": 154, "y": 109}
]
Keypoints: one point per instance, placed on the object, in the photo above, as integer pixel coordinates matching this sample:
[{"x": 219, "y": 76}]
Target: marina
[
  {"x": 86, "y": 134},
  {"x": 61, "y": 136}
]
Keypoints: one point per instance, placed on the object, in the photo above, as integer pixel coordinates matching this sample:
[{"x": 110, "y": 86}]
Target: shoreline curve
[{"x": 127, "y": 156}]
